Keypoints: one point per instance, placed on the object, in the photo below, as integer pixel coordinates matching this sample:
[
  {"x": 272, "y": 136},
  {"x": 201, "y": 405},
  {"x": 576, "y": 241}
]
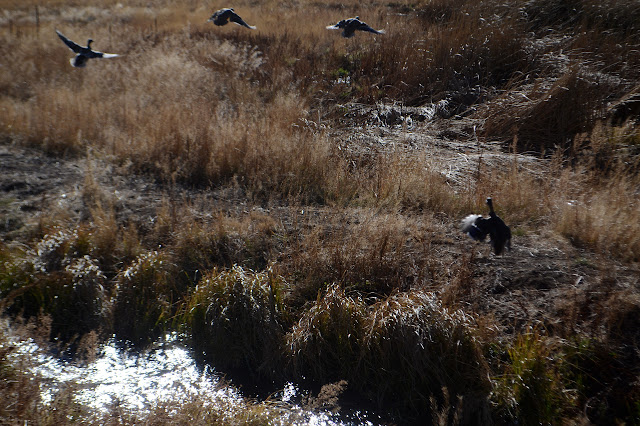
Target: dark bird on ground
[
  {"x": 478, "y": 227},
  {"x": 351, "y": 25},
  {"x": 223, "y": 16},
  {"x": 83, "y": 53}
]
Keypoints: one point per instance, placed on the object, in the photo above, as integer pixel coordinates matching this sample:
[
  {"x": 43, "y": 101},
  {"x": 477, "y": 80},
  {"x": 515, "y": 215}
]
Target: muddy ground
[{"x": 543, "y": 280}]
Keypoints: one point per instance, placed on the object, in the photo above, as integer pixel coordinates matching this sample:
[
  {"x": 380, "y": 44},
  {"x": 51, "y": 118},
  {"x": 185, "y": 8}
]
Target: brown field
[{"x": 289, "y": 201}]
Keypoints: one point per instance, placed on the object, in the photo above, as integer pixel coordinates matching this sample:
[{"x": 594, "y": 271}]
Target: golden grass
[
  {"x": 605, "y": 220},
  {"x": 193, "y": 105},
  {"x": 530, "y": 387},
  {"x": 415, "y": 346},
  {"x": 188, "y": 110}
]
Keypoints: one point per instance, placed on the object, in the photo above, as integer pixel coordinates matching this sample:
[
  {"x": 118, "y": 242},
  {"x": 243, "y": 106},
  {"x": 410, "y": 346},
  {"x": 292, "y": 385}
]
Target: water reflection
[
  {"x": 139, "y": 381},
  {"x": 135, "y": 381}
]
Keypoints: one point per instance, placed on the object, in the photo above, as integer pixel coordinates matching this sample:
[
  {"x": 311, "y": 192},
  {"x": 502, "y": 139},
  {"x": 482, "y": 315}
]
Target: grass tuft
[
  {"x": 143, "y": 301},
  {"x": 236, "y": 320},
  {"x": 531, "y": 388},
  {"x": 413, "y": 348},
  {"x": 325, "y": 343}
]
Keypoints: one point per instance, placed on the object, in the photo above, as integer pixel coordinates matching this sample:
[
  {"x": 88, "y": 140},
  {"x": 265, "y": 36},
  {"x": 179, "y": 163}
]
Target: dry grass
[
  {"x": 413, "y": 348},
  {"x": 605, "y": 220},
  {"x": 325, "y": 343},
  {"x": 600, "y": 209},
  {"x": 236, "y": 318},
  {"x": 373, "y": 253},
  {"x": 530, "y": 388},
  {"x": 331, "y": 271}
]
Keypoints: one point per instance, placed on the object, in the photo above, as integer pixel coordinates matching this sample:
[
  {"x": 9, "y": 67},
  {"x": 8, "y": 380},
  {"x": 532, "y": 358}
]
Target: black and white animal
[
  {"x": 83, "y": 54},
  {"x": 223, "y": 16},
  {"x": 478, "y": 227},
  {"x": 351, "y": 25}
]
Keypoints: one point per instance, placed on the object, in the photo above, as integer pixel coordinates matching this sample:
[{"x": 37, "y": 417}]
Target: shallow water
[{"x": 138, "y": 381}]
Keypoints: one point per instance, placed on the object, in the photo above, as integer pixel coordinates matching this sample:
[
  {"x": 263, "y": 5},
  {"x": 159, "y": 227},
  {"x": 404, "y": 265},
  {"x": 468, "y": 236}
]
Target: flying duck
[
  {"x": 223, "y": 16},
  {"x": 83, "y": 53},
  {"x": 349, "y": 27},
  {"x": 478, "y": 227}
]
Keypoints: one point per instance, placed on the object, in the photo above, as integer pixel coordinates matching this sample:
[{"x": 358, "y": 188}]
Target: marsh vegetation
[{"x": 287, "y": 202}]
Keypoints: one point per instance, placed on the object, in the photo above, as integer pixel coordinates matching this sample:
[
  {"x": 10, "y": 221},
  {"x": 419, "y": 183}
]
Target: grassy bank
[{"x": 278, "y": 242}]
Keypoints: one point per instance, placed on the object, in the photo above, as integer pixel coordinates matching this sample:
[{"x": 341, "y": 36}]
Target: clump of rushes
[
  {"x": 414, "y": 347},
  {"x": 325, "y": 343},
  {"x": 142, "y": 304},
  {"x": 235, "y": 317},
  {"x": 62, "y": 281},
  {"x": 86, "y": 307},
  {"x": 16, "y": 277},
  {"x": 552, "y": 115},
  {"x": 531, "y": 390}
]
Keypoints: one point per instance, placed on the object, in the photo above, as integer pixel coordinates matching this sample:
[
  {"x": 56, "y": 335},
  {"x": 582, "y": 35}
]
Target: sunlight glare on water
[
  {"x": 138, "y": 381},
  {"x": 134, "y": 380}
]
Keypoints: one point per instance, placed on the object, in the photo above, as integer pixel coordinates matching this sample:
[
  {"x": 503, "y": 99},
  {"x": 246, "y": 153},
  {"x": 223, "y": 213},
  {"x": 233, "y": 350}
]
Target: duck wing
[
  {"x": 364, "y": 27},
  {"x": 70, "y": 44},
  {"x": 96, "y": 54},
  {"x": 234, "y": 17},
  {"x": 339, "y": 25},
  {"x": 475, "y": 226}
]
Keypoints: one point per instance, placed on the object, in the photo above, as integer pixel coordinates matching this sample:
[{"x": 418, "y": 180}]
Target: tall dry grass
[
  {"x": 236, "y": 317},
  {"x": 193, "y": 105},
  {"x": 324, "y": 344},
  {"x": 600, "y": 206},
  {"x": 414, "y": 347},
  {"x": 181, "y": 120},
  {"x": 207, "y": 106}
]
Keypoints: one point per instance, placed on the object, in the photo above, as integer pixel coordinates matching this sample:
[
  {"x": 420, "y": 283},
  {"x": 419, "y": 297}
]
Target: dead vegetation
[{"x": 270, "y": 195}]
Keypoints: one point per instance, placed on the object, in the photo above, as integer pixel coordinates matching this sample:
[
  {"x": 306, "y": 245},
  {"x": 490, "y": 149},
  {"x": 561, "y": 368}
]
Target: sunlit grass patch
[
  {"x": 144, "y": 298},
  {"x": 531, "y": 387},
  {"x": 236, "y": 319},
  {"x": 546, "y": 379},
  {"x": 605, "y": 218},
  {"x": 324, "y": 345},
  {"x": 252, "y": 117},
  {"x": 198, "y": 247},
  {"x": 413, "y": 347},
  {"x": 59, "y": 280},
  {"x": 372, "y": 252}
]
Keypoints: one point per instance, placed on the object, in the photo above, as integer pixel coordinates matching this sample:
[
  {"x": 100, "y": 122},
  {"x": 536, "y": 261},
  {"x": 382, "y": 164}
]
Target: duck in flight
[
  {"x": 478, "y": 227},
  {"x": 223, "y": 16},
  {"x": 83, "y": 54},
  {"x": 351, "y": 25}
]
